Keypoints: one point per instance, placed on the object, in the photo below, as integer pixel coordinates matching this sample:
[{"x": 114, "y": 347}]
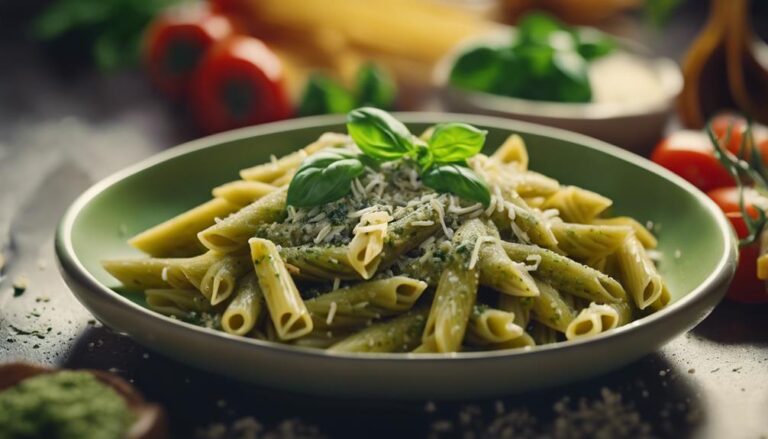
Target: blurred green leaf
[
  {"x": 593, "y": 44},
  {"x": 323, "y": 95},
  {"x": 375, "y": 88},
  {"x": 481, "y": 69},
  {"x": 112, "y": 29}
]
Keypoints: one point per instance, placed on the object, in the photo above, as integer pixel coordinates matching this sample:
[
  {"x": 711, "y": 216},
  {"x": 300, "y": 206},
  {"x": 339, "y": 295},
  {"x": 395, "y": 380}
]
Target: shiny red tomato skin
[
  {"x": 239, "y": 82},
  {"x": 722, "y": 123},
  {"x": 746, "y": 287},
  {"x": 177, "y": 40},
  {"x": 690, "y": 155}
]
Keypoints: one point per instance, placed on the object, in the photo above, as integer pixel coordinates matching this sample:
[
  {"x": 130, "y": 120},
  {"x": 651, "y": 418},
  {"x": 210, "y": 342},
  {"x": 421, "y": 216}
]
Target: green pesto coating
[
  {"x": 63, "y": 405},
  {"x": 569, "y": 276},
  {"x": 401, "y": 334}
]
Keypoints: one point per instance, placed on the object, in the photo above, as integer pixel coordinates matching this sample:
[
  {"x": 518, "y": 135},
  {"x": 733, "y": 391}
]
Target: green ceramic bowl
[{"x": 697, "y": 245}]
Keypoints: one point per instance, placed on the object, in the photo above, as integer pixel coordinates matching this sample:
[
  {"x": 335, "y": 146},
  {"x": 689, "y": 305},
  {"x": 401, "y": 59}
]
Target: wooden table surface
[{"x": 61, "y": 132}]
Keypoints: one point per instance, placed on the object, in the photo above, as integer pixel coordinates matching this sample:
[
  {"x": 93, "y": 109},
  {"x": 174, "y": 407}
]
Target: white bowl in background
[{"x": 627, "y": 112}]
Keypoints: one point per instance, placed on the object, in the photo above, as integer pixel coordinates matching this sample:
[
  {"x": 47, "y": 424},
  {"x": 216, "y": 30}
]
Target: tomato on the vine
[
  {"x": 746, "y": 287},
  {"x": 690, "y": 155},
  {"x": 732, "y": 127},
  {"x": 177, "y": 40},
  {"x": 239, "y": 82}
]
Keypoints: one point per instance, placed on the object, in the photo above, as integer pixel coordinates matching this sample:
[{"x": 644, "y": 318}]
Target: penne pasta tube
[
  {"x": 490, "y": 326},
  {"x": 323, "y": 262},
  {"x": 456, "y": 292},
  {"x": 177, "y": 237},
  {"x": 525, "y": 341},
  {"x": 401, "y": 334},
  {"x": 242, "y": 192},
  {"x": 589, "y": 242},
  {"x": 286, "y": 307},
  {"x": 365, "y": 301},
  {"x": 233, "y": 232},
  {"x": 175, "y": 302},
  {"x": 497, "y": 270},
  {"x": 638, "y": 273},
  {"x": 513, "y": 151},
  {"x": 550, "y": 309},
  {"x": 221, "y": 277},
  {"x": 368, "y": 242},
  {"x": 520, "y": 307},
  {"x": 567, "y": 275},
  {"x": 577, "y": 205},
  {"x": 641, "y": 233},
  {"x": 146, "y": 273},
  {"x": 244, "y": 311}
]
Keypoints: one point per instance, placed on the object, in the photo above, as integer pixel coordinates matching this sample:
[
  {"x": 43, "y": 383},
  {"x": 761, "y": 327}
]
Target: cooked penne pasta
[
  {"x": 400, "y": 334},
  {"x": 638, "y": 273},
  {"x": 577, "y": 205},
  {"x": 392, "y": 264},
  {"x": 550, "y": 309},
  {"x": 512, "y": 151},
  {"x": 286, "y": 307},
  {"x": 244, "y": 311},
  {"x": 567, "y": 275},
  {"x": 368, "y": 242},
  {"x": 175, "y": 302},
  {"x": 491, "y": 326},
  {"x": 589, "y": 242},
  {"x": 142, "y": 274},
  {"x": 177, "y": 237},
  {"x": 643, "y": 235},
  {"x": 233, "y": 232},
  {"x": 456, "y": 293},
  {"x": 242, "y": 192}
]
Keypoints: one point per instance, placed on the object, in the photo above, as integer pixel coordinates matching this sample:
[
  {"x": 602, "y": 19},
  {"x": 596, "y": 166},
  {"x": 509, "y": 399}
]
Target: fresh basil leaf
[
  {"x": 322, "y": 95},
  {"x": 378, "y": 134},
  {"x": 540, "y": 29},
  {"x": 480, "y": 69},
  {"x": 452, "y": 142},
  {"x": 324, "y": 177},
  {"x": 458, "y": 180},
  {"x": 571, "y": 78},
  {"x": 375, "y": 87},
  {"x": 593, "y": 44}
]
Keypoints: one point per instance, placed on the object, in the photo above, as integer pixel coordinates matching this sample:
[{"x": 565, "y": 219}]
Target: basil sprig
[{"x": 441, "y": 160}]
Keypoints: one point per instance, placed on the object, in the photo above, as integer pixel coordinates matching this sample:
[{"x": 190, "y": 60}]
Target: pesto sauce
[{"x": 63, "y": 405}]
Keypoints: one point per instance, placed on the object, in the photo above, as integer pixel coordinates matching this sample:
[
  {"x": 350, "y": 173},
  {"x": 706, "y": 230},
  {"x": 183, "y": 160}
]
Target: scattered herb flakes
[{"x": 249, "y": 427}]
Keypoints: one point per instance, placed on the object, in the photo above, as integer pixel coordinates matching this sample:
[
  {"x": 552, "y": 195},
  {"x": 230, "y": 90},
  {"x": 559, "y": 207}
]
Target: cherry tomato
[
  {"x": 176, "y": 42},
  {"x": 722, "y": 123},
  {"x": 690, "y": 155},
  {"x": 746, "y": 287},
  {"x": 239, "y": 82}
]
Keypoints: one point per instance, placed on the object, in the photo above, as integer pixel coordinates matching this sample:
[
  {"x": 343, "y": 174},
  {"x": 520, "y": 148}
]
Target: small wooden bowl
[{"x": 151, "y": 420}]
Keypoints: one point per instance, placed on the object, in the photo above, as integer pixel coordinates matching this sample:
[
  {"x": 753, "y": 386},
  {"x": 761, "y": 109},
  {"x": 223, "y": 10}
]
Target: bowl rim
[
  {"x": 667, "y": 70},
  {"x": 71, "y": 266}
]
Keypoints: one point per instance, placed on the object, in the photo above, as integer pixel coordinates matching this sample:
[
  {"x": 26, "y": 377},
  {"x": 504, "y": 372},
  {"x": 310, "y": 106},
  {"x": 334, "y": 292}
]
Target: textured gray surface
[{"x": 59, "y": 134}]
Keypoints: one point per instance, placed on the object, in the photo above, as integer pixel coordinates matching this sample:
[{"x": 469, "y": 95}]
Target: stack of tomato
[
  {"x": 690, "y": 154},
  {"x": 197, "y": 54}
]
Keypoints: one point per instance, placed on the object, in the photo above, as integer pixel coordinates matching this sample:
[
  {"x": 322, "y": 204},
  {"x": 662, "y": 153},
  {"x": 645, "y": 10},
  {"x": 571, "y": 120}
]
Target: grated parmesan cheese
[
  {"x": 164, "y": 274},
  {"x": 441, "y": 216},
  {"x": 331, "y": 313},
  {"x": 476, "y": 251},
  {"x": 336, "y": 283},
  {"x": 536, "y": 259}
]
